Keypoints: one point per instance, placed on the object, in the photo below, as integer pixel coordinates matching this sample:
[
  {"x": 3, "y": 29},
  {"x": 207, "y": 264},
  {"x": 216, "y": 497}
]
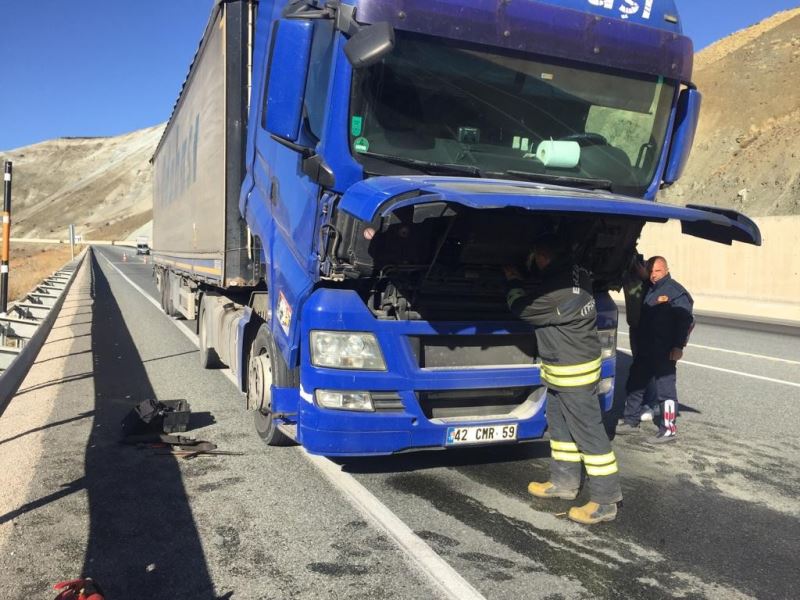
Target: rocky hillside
[
  {"x": 747, "y": 151},
  {"x": 102, "y": 185}
]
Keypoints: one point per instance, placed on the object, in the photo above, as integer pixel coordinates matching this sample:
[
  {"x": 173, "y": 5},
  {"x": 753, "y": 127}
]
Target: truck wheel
[
  {"x": 265, "y": 367},
  {"x": 165, "y": 294},
  {"x": 169, "y": 304},
  {"x": 163, "y": 290},
  {"x": 209, "y": 359}
]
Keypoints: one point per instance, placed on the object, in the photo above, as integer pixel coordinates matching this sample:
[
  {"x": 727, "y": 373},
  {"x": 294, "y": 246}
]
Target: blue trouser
[
  {"x": 643, "y": 370},
  {"x": 650, "y": 395}
]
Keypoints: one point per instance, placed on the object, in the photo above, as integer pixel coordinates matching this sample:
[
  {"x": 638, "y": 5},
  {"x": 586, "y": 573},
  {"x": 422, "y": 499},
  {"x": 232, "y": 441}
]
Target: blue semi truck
[{"x": 340, "y": 184}]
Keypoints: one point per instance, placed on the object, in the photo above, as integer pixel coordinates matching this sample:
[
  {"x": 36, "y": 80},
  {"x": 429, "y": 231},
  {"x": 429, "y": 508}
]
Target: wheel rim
[{"x": 260, "y": 381}]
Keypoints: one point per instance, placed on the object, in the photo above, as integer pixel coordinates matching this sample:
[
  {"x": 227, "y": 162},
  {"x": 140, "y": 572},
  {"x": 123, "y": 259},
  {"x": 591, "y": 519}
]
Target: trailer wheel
[
  {"x": 169, "y": 304},
  {"x": 209, "y": 359},
  {"x": 163, "y": 290},
  {"x": 165, "y": 294},
  {"x": 265, "y": 367}
]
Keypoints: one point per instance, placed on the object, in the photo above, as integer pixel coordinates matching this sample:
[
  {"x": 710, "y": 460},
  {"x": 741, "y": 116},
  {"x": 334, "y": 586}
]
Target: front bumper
[{"x": 345, "y": 433}]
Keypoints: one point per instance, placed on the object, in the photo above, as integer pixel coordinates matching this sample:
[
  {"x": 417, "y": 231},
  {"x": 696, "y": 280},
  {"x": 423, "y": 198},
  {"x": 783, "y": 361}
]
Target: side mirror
[
  {"x": 686, "y": 119},
  {"x": 288, "y": 69},
  {"x": 369, "y": 44}
]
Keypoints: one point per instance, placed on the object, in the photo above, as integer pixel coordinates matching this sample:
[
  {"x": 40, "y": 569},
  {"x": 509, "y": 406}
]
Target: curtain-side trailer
[{"x": 200, "y": 238}]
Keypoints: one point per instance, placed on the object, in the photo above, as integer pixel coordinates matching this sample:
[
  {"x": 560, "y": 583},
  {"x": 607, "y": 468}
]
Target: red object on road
[{"x": 79, "y": 589}]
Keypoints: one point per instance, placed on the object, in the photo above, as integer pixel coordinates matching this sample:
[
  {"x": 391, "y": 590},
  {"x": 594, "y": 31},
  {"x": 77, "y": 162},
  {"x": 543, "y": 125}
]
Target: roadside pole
[
  {"x": 4, "y": 255},
  {"x": 72, "y": 240}
]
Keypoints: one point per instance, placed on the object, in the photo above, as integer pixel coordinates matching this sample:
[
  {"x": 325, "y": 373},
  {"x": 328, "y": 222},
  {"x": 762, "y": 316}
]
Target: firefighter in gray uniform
[{"x": 562, "y": 308}]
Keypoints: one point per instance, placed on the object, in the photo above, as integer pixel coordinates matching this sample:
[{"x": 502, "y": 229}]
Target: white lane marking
[
  {"x": 147, "y": 296},
  {"x": 762, "y": 356},
  {"x": 184, "y": 330},
  {"x": 439, "y": 572},
  {"x": 749, "y": 375}
]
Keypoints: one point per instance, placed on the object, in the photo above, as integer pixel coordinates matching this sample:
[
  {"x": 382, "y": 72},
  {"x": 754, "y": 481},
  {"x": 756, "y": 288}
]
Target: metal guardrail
[
  {"x": 26, "y": 326},
  {"x": 82, "y": 242}
]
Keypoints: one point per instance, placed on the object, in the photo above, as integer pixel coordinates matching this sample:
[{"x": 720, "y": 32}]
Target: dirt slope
[
  {"x": 102, "y": 185},
  {"x": 747, "y": 151}
]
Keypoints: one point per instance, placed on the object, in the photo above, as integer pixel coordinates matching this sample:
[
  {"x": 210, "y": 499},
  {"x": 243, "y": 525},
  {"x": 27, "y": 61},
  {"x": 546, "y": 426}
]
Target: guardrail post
[
  {"x": 72, "y": 240},
  {"x": 4, "y": 255}
]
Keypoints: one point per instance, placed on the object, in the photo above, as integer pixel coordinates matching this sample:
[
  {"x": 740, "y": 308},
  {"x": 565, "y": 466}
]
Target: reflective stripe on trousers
[
  {"x": 597, "y": 465},
  {"x": 600, "y": 465},
  {"x": 564, "y": 451},
  {"x": 567, "y": 376}
]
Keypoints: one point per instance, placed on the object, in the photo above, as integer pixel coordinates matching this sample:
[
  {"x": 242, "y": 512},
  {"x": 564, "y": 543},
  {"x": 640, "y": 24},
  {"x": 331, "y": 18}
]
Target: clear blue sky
[
  {"x": 92, "y": 67},
  {"x": 105, "y": 67}
]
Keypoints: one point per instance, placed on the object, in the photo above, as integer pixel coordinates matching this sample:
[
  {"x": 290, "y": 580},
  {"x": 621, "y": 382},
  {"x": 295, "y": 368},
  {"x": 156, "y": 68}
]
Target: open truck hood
[{"x": 380, "y": 196}]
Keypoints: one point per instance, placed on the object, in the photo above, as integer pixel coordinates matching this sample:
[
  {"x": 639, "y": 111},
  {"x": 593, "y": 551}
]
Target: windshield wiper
[
  {"x": 590, "y": 184},
  {"x": 431, "y": 168}
]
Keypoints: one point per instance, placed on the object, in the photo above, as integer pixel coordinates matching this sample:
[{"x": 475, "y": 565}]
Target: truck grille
[
  {"x": 495, "y": 402},
  {"x": 460, "y": 351}
]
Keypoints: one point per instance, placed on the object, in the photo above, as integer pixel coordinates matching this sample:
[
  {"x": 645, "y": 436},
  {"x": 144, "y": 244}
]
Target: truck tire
[
  {"x": 209, "y": 359},
  {"x": 163, "y": 290},
  {"x": 165, "y": 294},
  {"x": 169, "y": 305},
  {"x": 265, "y": 367}
]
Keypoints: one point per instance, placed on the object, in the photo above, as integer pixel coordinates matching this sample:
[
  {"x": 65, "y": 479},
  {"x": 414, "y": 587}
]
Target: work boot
[
  {"x": 550, "y": 490},
  {"x": 592, "y": 512}
]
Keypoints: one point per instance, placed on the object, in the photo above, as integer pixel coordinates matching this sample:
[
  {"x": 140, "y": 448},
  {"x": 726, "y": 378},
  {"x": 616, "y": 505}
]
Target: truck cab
[{"x": 398, "y": 155}]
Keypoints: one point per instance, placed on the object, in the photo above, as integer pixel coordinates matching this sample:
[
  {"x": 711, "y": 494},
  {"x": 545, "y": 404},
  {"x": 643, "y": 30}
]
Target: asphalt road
[{"x": 713, "y": 516}]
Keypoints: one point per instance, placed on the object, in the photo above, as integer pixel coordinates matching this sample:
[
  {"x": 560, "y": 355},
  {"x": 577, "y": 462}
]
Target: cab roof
[{"x": 641, "y": 36}]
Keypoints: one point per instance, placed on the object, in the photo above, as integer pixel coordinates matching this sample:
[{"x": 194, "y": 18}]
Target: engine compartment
[{"x": 444, "y": 261}]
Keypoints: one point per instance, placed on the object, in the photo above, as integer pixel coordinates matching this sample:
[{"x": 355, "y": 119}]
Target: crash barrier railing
[
  {"x": 63, "y": 242},
  {"x": 26, "y": 326}
]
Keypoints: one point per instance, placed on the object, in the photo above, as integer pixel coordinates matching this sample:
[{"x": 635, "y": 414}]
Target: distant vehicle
[
  {"x": 142, "y": 245},
  {"x": 340, "y": 184}
]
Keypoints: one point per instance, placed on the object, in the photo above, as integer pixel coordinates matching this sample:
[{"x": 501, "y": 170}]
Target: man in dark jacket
[
  {"x": 663, "y": 332},
  {"x": 562, "y": 307},
  {"x": 635, "y": 283}
]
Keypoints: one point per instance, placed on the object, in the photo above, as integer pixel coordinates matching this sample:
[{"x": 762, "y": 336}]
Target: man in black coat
[
  {"x": 664, "y": 326},
  {"x": 635, "y": 283},
  {"x": 562, "y": 307}
]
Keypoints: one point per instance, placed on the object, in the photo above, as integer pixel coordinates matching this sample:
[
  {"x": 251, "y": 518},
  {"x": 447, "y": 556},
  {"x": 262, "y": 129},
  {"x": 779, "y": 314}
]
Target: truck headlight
[
  {"x": 346, "y": 350},
  {"x": 608, "y": 342},
  {"x": 344, "y": 400}
]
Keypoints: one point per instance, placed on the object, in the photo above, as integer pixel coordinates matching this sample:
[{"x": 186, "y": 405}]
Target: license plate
[{"x": 483, "y": 434}]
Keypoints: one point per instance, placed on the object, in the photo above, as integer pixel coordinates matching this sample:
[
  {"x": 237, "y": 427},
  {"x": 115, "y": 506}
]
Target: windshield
[{"x": 437, "y": 107}]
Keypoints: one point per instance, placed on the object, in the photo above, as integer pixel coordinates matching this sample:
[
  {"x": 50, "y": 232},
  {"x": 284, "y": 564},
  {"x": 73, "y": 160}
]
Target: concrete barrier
[
  {"x": 29, "y": 325},
  {"x": 739, "y": 281}
]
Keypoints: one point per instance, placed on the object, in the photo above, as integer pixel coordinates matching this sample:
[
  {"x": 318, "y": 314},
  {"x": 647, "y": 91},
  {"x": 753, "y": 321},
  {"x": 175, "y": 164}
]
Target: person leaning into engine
[{"x": 563, "y": 310}]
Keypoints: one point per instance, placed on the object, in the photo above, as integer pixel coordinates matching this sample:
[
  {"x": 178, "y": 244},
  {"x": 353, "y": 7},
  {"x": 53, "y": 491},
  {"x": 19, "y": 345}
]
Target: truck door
[{"x": 285, "y": 201}]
